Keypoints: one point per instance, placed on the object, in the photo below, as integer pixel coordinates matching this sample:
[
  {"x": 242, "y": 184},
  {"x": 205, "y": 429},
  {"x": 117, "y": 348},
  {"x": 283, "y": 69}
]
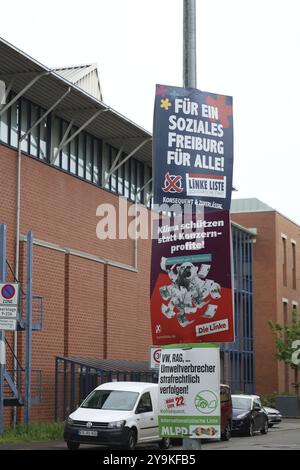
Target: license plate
[{"x": 88, "y": 433}]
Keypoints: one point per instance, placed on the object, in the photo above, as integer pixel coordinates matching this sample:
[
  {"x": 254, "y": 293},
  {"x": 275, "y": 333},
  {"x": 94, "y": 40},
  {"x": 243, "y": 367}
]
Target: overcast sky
[{"x": 246, "y": 48}]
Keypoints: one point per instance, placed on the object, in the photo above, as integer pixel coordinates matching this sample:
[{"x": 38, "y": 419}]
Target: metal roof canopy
[
  {"x": 108, "y": 365},
  {"x": 111, "y": 126}
]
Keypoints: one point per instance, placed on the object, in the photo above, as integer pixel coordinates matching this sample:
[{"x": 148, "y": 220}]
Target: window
[
  {"x": 294, "y": 267},
  {"x": 133, "y": 179},
  {"x": 65, "y": 150},
  {"x": 96, "y": 162},
  {"x": 89, "y": 158},
  {"x": 34, "y": 136},
  {"x": 145, "y": 404},
  {"x": 14, "y": 129},
  {"x": 4, "y": 127},
  {"x": 25, "y": 125},
  {"x": 127, "y": 179},
  {"x": 284, "y": 261},
  {"x": 81, "y": 152},
  {"x": 56, "y": 139},
  {"x": 73, "y": 154}
]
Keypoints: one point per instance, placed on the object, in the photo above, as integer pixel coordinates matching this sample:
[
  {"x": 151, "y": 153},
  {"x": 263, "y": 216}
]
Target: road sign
[
  {"x": 9, "y": 295},
  {"x": 154, "y": 357},
  {"x": 8, "y": 324}
]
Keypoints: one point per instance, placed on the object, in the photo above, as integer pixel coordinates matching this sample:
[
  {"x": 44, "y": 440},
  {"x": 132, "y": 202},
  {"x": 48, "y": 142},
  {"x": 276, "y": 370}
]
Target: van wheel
[
  {"x": 164, "y": 443},
  {"x": 226, "y": 435},
  {"x": 131, "y": 439},
  {"x": 73, "y": 445}
]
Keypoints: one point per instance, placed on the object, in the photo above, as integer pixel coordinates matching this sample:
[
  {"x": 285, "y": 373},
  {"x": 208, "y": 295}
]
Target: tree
[{"x": 287, "y": 338}]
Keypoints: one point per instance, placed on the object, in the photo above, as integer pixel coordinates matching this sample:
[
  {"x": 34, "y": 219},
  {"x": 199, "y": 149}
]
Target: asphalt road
[{"x": 283, "y": 437}]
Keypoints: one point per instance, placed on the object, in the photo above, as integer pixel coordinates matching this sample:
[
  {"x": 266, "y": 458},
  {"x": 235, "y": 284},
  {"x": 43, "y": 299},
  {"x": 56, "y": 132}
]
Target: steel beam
[
  {"x": 91, "y": 119},
  {"x": 128, "y": 157},
  {"x": 41, "y": 119},
  {"x": 61, "y": 145},
  {"x": 112, "y": 169},
  {"x": 22, "y": 92}
]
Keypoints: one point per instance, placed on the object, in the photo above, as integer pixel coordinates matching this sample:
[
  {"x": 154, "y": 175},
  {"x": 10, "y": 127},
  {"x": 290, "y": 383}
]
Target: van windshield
[{"x": 110, "y": 400}]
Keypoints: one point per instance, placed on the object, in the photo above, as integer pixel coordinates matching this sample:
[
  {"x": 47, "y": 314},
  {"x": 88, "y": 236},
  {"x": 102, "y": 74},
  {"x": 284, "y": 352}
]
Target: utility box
[{"x": 289, "y": 406}]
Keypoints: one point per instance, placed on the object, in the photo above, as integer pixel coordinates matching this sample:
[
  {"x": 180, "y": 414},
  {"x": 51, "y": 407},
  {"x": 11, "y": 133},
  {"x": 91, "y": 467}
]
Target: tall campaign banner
[
  {"x": 191, "y": 285},
  {"x": 189, "y": 392},
  {"x": 193, "y": 148}
]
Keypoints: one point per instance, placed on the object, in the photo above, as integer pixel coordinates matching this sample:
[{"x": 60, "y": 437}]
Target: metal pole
[
  {"x": 2, "y": 333},
  {"x": 28, "y": 329},
  {"x": 189, "y": 44},
  {"x": 189, "y": 81}
]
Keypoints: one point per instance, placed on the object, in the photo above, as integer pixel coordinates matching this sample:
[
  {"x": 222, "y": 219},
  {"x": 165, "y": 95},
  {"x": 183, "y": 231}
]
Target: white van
[{"x": 116, "y": 414}]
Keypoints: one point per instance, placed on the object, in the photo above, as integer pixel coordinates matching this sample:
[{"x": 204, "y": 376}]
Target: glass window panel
[
  {"x": 34, "y": 135},
  {"x": 106, "y": 165},
  {"x": 89, "y": 158},
  {"x": 121, "y": 180},
  {"x": 43, "y": 138},
  {"x": 96, "y": 175},
  {"x": 81, "y": 152},
  {"x": 127, "y": 179},
  {"x": 73, "y": 156},
  {"x": 133, "y": 179},
  {"x": 14, "y": 125},
  {"x": 4, "y": 127},
  {"x": 140, "y": 181},
  {"x": 113, "y": 179},
  {"x": 113, "y": 183},
  {"x": 65, "y": 150},
  {"x": 56, "y": 141},
  {"x": 24, "y": 124}
]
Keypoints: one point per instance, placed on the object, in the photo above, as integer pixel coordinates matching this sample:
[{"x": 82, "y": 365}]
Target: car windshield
[
  {"x": 241, "y": 403},
  {"x": 110, "y": 400}
]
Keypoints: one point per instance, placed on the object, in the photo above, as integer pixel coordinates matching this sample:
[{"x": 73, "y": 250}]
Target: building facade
[
  {"x": 82, "y": 154},
  {"x": 276, "y": 274}
]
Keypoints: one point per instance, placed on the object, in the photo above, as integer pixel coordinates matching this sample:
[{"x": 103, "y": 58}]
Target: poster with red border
[{"x": 191, "y": 283}]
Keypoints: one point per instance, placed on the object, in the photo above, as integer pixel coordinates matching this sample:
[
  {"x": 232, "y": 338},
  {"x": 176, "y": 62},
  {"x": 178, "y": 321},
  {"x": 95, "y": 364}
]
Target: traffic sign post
[
  {"x": 9, "y": 301},
  {"x": 2, "y": 333}
]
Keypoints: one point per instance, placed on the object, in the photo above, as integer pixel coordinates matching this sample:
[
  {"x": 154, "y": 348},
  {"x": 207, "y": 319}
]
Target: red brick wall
[
  {"x": 83, "y": 299},
  {"x": 269, "y": 291}
]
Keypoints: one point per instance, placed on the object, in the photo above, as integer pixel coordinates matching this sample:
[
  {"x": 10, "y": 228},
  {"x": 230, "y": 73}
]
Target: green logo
[{"x": 206, "y": 402}]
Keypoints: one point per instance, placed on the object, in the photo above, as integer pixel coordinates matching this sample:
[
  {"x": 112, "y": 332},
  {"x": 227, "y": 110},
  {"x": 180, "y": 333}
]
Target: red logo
[{"x": 173, "y": 184}]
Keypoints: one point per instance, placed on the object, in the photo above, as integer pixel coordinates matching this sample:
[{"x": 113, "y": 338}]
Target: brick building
[
  {"x": 276, "y": 274},
  {"x": 83, "y": 154}
]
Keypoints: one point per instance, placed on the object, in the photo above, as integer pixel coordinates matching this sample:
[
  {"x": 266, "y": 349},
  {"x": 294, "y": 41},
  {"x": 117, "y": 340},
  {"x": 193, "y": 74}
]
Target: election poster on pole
[
  {"x": 191, "y": 284},
  {"x": 189, "y": 392},
  {"x": 193, "y": 148}
]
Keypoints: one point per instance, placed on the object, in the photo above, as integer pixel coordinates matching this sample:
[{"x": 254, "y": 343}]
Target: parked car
[
  {"x": 248, "y": 415},
  {"x": 116, "y": 414},
  {"x": 226, "y": 413},
  {"x": 274, "y": 416}
]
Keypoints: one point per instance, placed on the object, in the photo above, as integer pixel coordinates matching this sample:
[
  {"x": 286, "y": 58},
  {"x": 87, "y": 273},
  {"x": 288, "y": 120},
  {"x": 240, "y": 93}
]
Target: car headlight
[
  {"x": 70, "y": 421},
  {"x": 242, "y": 416},
  {"x": 116, "y": 424}
]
